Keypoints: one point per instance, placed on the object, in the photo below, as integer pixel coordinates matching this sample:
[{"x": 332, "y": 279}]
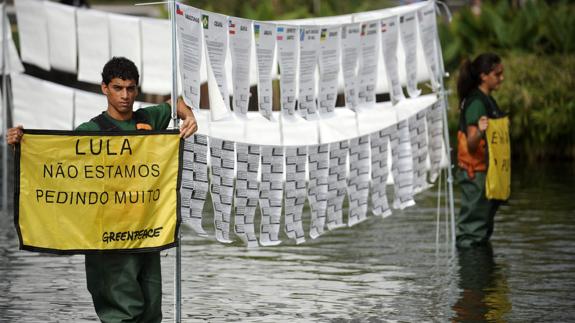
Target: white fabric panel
[
  {"x": 410, "y": 107},
  {"x": 257, "y": 125},
  {"x": 62, "y": 36},
  {"x": 333, "y": 20},
  {"x": 33, "y": 31},
  {"x": 156, "y": 56},
  {"x": 203, "y": 121},
  {"x": 14, "y": 65},
  {"x": 338, "y": 126},
  {"x": 230, "y": 129},
  {"x": 380, "y": 116},
  {"x": 128, "y": 42},
  {"x": 93, "y": 44},
  {"x": 88, "y": 105},
  {"x": 40, "y": 104},
  {"x": 296, "y": 131}
]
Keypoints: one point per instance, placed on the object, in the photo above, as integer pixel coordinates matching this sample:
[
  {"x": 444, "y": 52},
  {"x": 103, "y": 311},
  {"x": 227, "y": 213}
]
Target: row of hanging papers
[{"x": 276, "y": 160}]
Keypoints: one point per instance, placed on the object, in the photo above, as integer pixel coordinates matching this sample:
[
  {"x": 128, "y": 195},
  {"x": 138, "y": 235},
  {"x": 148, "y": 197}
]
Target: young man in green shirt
[{"x": 126, "y": 287}]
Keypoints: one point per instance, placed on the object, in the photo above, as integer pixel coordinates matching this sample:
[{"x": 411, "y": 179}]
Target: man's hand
[
  {"x": 189, "y": 125},
  {"x": 14, "y": 135}
]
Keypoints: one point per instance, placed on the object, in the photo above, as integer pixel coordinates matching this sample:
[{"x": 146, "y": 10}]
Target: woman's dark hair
[
  {"x": 122, "y": 68},
  {"x": 470, "y": 73}
]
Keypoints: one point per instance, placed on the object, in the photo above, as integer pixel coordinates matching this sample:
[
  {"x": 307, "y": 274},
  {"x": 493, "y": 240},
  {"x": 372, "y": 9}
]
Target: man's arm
[
  {"x": 14, "y": 135},
  {"x": 188, "y": 126}
]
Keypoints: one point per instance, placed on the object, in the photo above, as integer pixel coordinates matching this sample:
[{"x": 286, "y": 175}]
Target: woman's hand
[{"x": 483, "y": 123}]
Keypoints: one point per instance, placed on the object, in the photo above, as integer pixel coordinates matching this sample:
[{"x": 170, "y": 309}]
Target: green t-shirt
[
  {"x": 474, "y": 111},
  {"x": 159, "y": 117}
]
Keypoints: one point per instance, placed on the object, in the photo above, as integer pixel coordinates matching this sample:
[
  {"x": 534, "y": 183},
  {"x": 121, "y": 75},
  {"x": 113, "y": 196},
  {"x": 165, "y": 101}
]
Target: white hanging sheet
[
  {"x": 408, "y": 33},
  {"x": 350, "y": 50},
  {"x": 287, "y": 48},
  {"x": 190, "y": 46},
  {"x": 88, "y": 105},
  {"x": 389, "y": 43},
  {"x": 329, "y": 63},
  {"x": 368, "y": 62},
  {"x": 308, "y": 54},
  {"x": 246, "y": 193},
  {"x": 128, "y": 42},
  {"x": 14, "y": 64},
  {"x": 33, "y": 32},
  {"x": 240, "y": 34},
  {"x": 62, "y": 36},
  {"x": 265, "y": 40},
  {"x": 156, "y": 56},
  {"x": 216, "y": 48},
  {"x": 93, "y": 44},
  {"x": 40, "y": 104},
  {"x": 427, "y": 25}
]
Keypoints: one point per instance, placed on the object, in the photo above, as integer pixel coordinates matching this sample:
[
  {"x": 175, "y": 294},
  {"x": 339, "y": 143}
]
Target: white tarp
[
  {"x": 93, "y": 44},
  {"x": 62, "y": 36},
  {"x": 33, "y": 31},
  {"x": 88, "y": 105},
  {"x": 14, "y": 64},
  {"x": 156, "y": 56},
  {"x": 40, "y": 104},
  {"x": 128, "y": 42}
]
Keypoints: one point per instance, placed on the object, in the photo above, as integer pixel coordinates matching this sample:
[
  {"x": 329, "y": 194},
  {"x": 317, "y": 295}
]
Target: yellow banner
[
  {"x": 79, "y": 192},
  {"x": 498, "y": 182}
]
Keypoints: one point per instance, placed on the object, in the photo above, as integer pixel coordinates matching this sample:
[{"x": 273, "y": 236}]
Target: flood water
[{"x": 383, "y": 270}]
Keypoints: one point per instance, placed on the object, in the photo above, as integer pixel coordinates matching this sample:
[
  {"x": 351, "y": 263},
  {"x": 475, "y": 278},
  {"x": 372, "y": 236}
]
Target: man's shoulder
[
  {"x": 158, "y": 116},
  {"x": 161, "y": 106},
  {"x": 88, "y": 126}
]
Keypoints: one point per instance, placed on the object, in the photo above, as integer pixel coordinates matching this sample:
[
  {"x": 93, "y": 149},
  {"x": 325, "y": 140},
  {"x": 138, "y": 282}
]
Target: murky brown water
[{"x": 381, "y": 270}]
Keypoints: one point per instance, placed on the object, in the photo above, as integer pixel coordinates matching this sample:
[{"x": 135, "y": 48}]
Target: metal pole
[
  {"x": 178, "y": 269},
  {"x": 4, "y": 111},
  {"x": 443, "y": 97}
]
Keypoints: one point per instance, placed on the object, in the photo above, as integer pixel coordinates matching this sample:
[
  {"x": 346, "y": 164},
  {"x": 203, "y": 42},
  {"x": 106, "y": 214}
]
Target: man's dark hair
[{"x": 122, "y": 68}]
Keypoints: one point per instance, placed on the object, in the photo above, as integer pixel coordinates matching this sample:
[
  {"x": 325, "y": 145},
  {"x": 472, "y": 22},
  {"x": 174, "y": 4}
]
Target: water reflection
[
  {"x": 382, "y": 270},
  {"x": 484, "y": 290}
]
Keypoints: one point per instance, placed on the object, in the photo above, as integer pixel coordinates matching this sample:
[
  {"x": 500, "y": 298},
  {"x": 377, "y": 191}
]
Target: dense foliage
[{"x": 537, "y": 44}]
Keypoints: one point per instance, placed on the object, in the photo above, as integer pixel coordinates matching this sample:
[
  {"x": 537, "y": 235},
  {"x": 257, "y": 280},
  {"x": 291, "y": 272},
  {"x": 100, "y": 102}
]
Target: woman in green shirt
[{"x": 477, "y": 80}]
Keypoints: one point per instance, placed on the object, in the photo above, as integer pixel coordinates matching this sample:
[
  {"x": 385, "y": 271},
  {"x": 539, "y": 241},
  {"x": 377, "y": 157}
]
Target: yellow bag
[{"x": 498, "y": 183}]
